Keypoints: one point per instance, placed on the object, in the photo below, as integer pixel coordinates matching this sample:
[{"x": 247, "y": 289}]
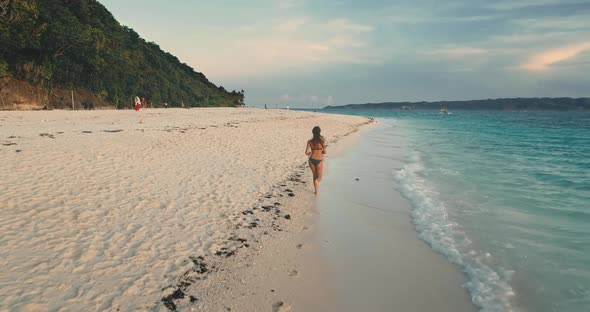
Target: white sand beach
[{"x": 111, "y": 210}]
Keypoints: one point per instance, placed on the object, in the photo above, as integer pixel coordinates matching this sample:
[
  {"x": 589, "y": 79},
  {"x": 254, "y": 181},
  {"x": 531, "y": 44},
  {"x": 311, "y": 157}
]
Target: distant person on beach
[
  {"x": 316, "y": 148},
  {"x": 137, "y": 103}
]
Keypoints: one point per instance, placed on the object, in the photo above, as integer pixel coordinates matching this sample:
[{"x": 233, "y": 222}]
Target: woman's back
[{"x": 317, "y": 149}]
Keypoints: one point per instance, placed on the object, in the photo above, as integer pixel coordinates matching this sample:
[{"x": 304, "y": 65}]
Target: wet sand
[{"x": 377, "y": 261}]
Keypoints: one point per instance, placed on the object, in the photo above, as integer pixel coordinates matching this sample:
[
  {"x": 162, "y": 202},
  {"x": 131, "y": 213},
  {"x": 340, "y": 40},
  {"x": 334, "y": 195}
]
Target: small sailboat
[{"x": 444, "y": 111}]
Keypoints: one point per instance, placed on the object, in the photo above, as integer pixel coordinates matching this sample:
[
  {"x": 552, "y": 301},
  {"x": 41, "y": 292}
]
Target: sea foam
[{"x": 490, "y": 290}]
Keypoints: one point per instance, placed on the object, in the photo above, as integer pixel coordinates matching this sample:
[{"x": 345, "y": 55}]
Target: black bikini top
[{"x": 317, "y": 149}]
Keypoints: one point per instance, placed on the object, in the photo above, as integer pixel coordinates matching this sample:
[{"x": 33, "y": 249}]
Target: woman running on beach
[{"x": 316, "y": 148}]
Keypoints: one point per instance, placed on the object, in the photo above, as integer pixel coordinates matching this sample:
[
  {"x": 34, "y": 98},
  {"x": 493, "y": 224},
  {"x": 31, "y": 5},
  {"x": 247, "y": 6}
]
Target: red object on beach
[{"x": 137, "y": 107}]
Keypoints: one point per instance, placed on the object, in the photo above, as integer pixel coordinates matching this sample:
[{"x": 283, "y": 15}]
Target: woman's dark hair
[{"x": 317, "y": 137}]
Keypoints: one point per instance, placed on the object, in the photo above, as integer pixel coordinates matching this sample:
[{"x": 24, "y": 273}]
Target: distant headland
[{"x": 505, "y": 104}]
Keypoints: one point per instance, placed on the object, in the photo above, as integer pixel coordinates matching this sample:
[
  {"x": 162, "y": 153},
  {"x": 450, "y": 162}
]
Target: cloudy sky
[{"x": 308, "y": 53}]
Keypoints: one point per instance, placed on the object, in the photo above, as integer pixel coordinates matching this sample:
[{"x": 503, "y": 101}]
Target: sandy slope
[{"x": 102, "y": 209}]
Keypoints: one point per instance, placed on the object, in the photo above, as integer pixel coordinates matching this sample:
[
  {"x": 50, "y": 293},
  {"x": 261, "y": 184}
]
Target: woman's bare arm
[{"x": 308, "y": 149}]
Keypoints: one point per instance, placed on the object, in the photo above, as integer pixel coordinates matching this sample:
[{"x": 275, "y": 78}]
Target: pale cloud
[
  {"x": 412, "y": 18},
  {"x": 530, "y": 37},
  {"x": 288, "y": 4},
  {"x": 344, "y": 25},
  {"x": 508, "y": 51},
  {"x": 285, "y": 98},
  {"x": 308, "y": 99},
  {"x": 290, "y": 25},
  {"x": 408, "y": 19},
  {"x": 346, "y": 40},
  {"x": 303, "y": 100},
  {"x": 295, "y": 43},
  {"x": 270, "y": 55},
  {"x": 475, "y": 18},
  {"x": 513, "y": 5},
  {"x": 329, "y": 100},
  {"x": 458, "y": 52},
  {"x": 554, "y": 24},
  {"x": 467, "y": 59},
  {"x": 544, "y": 60}
]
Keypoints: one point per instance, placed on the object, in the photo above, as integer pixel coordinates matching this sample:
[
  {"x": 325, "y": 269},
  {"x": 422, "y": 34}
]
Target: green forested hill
[{"x": 78, "y": 44}]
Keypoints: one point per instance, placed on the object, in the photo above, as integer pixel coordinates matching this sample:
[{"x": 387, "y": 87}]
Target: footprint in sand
[
  {"x": 51, "y": 136},
  {"x": 293, "y": 273},
  {"x": 281, "y": 307}
]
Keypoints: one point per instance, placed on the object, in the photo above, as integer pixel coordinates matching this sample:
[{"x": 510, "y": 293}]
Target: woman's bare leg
[
  {"x": 313, "y": 171},
  {"x": 319, "y": 173}
]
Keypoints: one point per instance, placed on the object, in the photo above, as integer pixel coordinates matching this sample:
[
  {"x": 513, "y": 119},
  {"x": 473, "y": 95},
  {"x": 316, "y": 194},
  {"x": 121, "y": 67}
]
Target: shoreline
[
  {"x": 286, "y": 271},
  {"x": 307, "y": 265},
  {"x": 372, "y": 242}
]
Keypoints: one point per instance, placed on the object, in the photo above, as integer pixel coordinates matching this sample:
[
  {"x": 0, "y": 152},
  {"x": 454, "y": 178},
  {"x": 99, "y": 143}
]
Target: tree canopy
[{"x": 79, "y": 44}]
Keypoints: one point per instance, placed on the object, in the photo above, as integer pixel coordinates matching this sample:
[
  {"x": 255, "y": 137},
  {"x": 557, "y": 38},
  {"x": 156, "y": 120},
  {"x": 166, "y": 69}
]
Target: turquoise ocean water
[{"x": 503, "y": 195}]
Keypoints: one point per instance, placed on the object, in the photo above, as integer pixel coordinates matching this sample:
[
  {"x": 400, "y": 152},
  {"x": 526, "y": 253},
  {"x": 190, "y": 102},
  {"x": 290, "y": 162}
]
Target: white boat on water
[{"x": 444, "y": 110}]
